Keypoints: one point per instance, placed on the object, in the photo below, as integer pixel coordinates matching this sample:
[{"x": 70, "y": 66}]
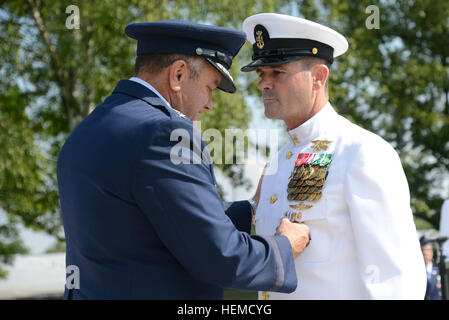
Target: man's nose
[
  {"x": 265, "y": 83},
  {"x": 210, "y": 104}
]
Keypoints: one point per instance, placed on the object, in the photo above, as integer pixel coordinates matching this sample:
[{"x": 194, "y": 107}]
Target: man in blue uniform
[
  {"x": 141, "y": 213},
  {"x": 433, "y": 289}
]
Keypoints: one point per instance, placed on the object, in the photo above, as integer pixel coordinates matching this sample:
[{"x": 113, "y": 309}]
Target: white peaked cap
[{"x": 280, "y": 35}]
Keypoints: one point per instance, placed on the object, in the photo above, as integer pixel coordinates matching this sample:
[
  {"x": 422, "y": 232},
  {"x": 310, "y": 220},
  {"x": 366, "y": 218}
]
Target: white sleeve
[{"x": 376, "y": 191}]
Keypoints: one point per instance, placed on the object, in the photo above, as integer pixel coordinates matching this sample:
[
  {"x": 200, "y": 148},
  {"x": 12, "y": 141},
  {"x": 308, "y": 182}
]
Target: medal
[{"x": 308, "y": 177}]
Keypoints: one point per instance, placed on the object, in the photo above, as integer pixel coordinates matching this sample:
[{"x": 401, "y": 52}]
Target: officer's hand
[{"x": 297, "y": 233}]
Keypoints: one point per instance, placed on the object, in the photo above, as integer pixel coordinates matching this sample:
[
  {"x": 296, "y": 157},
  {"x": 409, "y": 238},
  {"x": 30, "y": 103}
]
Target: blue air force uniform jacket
[
  {"x": 141, "y": 224},
  {"x": 433, "y": 289}
]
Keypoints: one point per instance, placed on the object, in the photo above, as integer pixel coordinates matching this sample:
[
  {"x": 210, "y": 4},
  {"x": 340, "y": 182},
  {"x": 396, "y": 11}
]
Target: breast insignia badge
[
  {"x": 319, "y": 145},
  {"x": 308, "y": 177},
  {"x": 301, "y": 206}
]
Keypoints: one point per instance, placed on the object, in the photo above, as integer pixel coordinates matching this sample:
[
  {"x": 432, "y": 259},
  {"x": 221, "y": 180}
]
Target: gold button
[
  {"x": 273, "y": 198},
  {"x": 264, "y": 295},
  {"x": 295, "y": 138},
  {"x": 314, "y": 50},
  {"x": 289, "y": 155}
]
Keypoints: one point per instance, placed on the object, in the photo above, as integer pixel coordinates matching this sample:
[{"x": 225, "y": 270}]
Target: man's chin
[
  {"x": 198, "y": 116},
  {"x": 271, "y": 115}
]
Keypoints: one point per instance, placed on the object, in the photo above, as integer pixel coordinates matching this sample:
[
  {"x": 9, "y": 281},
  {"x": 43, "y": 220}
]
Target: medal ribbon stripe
[
  {"x": 323, "y": 160},
  {"x": 304, "y": 158},
  {"x": 298, "y": 161},
  {"x": 292, "y": 215}
]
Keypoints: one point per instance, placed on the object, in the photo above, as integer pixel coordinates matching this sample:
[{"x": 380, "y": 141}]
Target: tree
[{"x": 54, "y": 72}]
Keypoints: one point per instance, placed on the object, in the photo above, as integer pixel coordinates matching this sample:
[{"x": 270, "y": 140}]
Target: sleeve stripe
[{"x": 279, "y": 282}]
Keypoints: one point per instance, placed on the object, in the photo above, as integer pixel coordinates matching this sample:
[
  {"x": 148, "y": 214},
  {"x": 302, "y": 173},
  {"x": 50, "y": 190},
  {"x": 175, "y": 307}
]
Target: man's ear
[
  {"x": 177, "y": 74},
  {"x": 320, "y": 75}
]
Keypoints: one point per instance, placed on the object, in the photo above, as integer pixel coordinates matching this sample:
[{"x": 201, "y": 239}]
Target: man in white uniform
[{"x": 346, "y": 183}]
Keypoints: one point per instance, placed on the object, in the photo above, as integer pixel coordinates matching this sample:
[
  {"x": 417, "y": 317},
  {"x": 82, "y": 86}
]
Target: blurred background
[{"x": 59, "y": 59}]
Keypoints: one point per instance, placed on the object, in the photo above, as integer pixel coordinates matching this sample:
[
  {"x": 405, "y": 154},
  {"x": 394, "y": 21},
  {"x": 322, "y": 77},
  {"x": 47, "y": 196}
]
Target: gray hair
[{"x": 155, "y": 62}]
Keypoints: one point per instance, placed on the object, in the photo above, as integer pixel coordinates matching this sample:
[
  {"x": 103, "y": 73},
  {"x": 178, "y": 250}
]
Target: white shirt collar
[
  {"x": 149, "y": 86},
  {"x": 313, "y": 127}
]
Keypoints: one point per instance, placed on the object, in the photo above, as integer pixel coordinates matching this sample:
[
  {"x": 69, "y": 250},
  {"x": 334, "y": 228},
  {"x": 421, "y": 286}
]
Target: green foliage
[
  {"x": 230, "y": 294},
  {"x": 59, "y": 246},
  {"x": 10, "y": 244}
]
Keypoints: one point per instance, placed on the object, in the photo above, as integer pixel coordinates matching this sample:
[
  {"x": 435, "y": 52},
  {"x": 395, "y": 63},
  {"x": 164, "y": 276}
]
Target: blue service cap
[
  {"x": 218, "y": 45},
  {"x": 424, "y": 241}
]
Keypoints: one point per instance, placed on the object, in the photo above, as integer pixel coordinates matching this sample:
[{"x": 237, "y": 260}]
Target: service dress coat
[
  {"x": 347, "y": 184},
  {"x": 142, "y": 216}
]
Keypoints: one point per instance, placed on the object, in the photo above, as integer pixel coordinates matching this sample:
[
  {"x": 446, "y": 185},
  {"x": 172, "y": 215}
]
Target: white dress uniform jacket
[{"x": 364, "y": 243}]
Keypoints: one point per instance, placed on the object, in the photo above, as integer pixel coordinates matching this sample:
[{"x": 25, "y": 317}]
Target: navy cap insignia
[
  {"x": 259, "y": 40},
  {"x": 261, "y": 36}
]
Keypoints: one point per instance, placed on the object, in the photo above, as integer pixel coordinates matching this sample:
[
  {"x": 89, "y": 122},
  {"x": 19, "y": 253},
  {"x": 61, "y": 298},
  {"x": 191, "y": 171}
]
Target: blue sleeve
[
  {"x": 240, "y": 214},
  {"x": 180, "y": 200},
  {"x": 238, "y": 211}
]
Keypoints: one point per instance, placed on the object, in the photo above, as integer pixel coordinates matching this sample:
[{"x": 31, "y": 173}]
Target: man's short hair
[
  {"x": 155, "y": 62},
  {"x": 309, "y": 62}
]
